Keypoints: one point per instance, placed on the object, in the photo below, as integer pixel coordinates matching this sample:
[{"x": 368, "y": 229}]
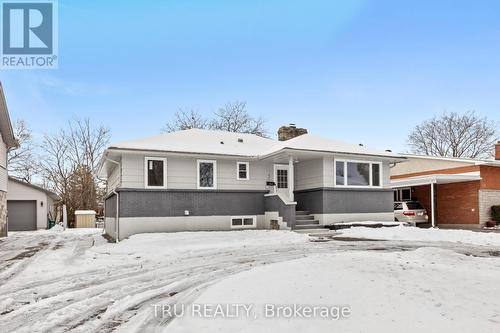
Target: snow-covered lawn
[
  {"x": 418, "y": 234},
  {"x": 427, "y": 290},
  {"x": 75, "y": 281}
]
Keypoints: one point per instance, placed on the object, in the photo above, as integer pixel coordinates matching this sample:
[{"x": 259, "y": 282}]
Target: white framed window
[
  {"x": 155, "y": 172},
  {"x": 207, "y": 174},
  {"x": 360, "y": 174},
  {"x": 242, "y": 171},
  {"x": 242, "y": 222},
  {"x": 402, "y": 194}
]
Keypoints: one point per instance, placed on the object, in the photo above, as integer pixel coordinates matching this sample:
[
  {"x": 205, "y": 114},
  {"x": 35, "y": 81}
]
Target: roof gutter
[
  {"x": 134, "y": 150},
  {"x": 398, "y": 158}
]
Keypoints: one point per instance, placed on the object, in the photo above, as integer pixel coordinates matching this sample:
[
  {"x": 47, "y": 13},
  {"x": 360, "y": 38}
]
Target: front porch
[{"x": 305, "y": 181}]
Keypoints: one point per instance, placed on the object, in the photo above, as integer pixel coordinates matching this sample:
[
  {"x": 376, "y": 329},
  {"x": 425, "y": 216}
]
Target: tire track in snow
[{"x": 122, "y": 299}]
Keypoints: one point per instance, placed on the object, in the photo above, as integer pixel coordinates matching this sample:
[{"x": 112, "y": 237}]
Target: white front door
[{"x": 282, "y": 181}]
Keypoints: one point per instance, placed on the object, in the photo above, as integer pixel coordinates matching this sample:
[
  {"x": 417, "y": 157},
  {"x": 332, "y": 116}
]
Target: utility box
[{"x": 85, "y": 219}]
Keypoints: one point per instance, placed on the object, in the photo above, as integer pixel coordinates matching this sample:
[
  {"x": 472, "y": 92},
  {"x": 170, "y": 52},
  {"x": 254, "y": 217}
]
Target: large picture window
[
  {"x": 207, "y": 174},
  {"x": 155, "y": 175},
  {"x": 357, "y": 174}
]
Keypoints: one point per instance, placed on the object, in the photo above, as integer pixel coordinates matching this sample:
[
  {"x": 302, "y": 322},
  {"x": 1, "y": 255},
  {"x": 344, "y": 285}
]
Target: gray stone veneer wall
[
  {"x": 273, "y": 203},
  {"x": 166, "y": 203},
  {"x": 328, "y": 200},
  {"x": 3, "y": 214}
]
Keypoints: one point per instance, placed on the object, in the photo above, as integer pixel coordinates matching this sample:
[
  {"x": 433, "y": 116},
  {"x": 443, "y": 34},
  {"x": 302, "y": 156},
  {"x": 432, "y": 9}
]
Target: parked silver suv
[{"x": 410, "y": 211}]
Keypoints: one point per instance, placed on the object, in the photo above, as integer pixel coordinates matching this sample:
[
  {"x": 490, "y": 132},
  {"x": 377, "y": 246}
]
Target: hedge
[{"x": 495, "y": 213}]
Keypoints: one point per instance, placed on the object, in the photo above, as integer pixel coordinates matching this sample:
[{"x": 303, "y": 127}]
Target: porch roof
[{"x": 434, "y": 179}]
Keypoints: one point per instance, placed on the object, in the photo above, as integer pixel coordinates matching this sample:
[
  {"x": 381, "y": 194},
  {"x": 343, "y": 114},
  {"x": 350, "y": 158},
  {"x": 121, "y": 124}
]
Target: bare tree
[
  {"x": 22, "y": 161},
  {"x": 186, "y": 119},
  {"x": 70, "y": 162},
  {"x": 454, "y": 135},
  {"x": 232, "y": 117}
]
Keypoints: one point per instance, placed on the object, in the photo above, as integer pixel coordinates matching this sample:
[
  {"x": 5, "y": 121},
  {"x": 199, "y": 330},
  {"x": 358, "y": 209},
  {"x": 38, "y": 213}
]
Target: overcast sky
[{"x": 357, "y": 71}]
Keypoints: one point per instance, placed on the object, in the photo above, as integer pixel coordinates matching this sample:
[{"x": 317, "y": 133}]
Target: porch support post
[
  {"x": 433, "y": 215},
  {"x": 291, "y": 177}
]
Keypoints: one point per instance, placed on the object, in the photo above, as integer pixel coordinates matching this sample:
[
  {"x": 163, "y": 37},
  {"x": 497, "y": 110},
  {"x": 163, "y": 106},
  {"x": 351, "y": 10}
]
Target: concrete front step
[
  {"x": 304, "y": 217},
  {"x": 305, "y": 222},
  {"x": 301, "y": 212},
  {"x": 306, "y": 226}
]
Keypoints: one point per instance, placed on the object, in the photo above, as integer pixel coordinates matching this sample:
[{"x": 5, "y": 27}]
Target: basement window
[
  {"x": 156, "y": 171},
  {"x": 242, "y": 172},
  {"x": 241, "y": 222}
]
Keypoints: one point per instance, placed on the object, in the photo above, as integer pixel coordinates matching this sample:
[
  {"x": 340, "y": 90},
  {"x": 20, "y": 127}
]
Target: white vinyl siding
[
  {"x": 309, "y": 174},
  {"x": 133, "y": 171},
  {"x": 182, "y": 173},
  {"x": 113, "y": 179}
]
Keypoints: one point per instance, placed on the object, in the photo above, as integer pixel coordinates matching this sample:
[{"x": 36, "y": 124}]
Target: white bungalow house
[{"x": 214, "y": 180}]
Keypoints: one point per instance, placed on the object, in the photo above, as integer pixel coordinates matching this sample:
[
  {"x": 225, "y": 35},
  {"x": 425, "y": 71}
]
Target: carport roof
[{"x": 433, "y": 179}]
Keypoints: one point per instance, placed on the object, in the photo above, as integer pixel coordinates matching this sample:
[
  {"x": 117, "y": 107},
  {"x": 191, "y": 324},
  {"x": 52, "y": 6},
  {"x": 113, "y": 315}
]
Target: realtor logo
[{"x": 29, "y": 38}]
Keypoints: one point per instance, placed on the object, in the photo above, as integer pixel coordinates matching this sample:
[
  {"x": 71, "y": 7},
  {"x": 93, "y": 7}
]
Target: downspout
[{"x": 117, "y": 214}]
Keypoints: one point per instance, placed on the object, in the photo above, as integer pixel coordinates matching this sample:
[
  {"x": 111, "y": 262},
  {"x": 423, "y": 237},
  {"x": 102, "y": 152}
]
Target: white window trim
[
  {"x": 214, "y": 162},
  {"x": 238, "y": 170},
  {"x": 399, "y": 193},
  {"x": 253, "y": 217},
  {"x": 151, "y": 158},
  {"x": 381, "y": 184}
]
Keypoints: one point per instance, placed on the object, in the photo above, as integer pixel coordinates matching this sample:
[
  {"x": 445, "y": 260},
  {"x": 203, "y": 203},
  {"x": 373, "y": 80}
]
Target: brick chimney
[
  {"x": 497, "y": 151},
  {"x": 290, "y": 132}
]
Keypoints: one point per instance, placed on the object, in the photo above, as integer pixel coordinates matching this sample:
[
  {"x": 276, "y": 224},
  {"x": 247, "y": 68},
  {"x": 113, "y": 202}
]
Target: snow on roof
[
  {"x": 316, "y": 143},
  {"x": 201, "y": 141},
  {"x": 239, "y": 144},
  {"x": 36, "y": 187},
  {"x": 475, "y": 161},
  {"x": 85, "y": 212}
]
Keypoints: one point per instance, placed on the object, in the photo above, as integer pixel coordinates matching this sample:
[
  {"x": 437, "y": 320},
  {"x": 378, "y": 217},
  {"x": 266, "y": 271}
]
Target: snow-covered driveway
[{"x": 76, "y": 281}]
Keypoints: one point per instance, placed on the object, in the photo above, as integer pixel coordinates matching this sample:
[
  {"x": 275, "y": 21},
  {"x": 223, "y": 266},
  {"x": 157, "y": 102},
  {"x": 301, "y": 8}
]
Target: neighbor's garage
[{"x": 28, "y": 206}]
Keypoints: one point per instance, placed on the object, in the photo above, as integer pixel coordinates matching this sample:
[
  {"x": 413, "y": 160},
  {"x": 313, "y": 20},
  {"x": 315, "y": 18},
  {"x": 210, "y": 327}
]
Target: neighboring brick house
[
  {"x": 7, "y": 141},
  {"x": 464, "y": 189}
]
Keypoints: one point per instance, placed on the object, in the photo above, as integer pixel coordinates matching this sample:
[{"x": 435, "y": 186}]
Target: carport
[{"x": 404, "y": 186}]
